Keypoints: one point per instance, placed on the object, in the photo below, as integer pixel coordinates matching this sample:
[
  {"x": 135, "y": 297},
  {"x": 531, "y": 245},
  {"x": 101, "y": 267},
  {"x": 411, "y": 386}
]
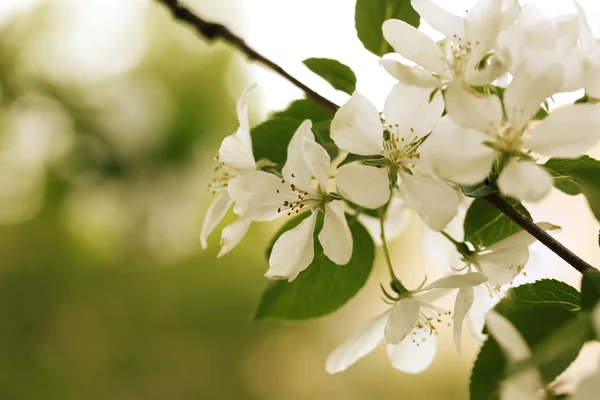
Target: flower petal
[
  {"x": 233, "y": 234},
  {"x": 502, "y": 266},
  {"x": 525, "y": 180},
  {"x": 470, "y": 109},
  {"x": 235, "y": 154},
  {"x": 533, "y": 82},
  {"x": 434, "y": 201},
  {"x": 483, "y": 302},
  {"x": 523, "y": 238},
  {"x": 415, "y": 353},
  {"x": 588, "y": 388},
  {"x": 482, "y": 25},
  {"x": 318, "y": 161},
  {"x": 440, "y": 19},
  {"x": 296, "y": 169},
  {"x": 458, "y": 281},
  {"x": 215, "y": 213},
  {"x": 458, "y": 154},
  {"x": 415, "y": 46},
  {"x": 567, "y": 132},
  {"x": 415, "y": 76},
  {"x": 242, "y": 113},
  {"x": 364, "y": 185},
  {"x": 293, "y": 251},
  {"x": 335, "y": 236},
  {"x": 464, "y": 301},
  {"x": 402, "y": 319},
  {"x": 256, "y": 195},
  {"x": 359, "y": 345},
  {"x": 413, "y": 110},
  {"x": 397, "y": 217},
  {"x": 508, "y": 337},
  {"x": 356, "y": 127}
]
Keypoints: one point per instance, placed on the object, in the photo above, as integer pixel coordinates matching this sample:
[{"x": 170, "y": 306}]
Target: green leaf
[
  {"x": 590, "y": 289},
  {"x": 369, "y": 17},
  {"x": 536, "y": 310},
  {"x": 578, "y": 176},
  {"x": 479, "y": 190},
  {"x": 339, "y": 75},
  {"x": 324, "y": 286},
  {"x": 485, "y": 225},
  {"x": 271, "y": 138}
]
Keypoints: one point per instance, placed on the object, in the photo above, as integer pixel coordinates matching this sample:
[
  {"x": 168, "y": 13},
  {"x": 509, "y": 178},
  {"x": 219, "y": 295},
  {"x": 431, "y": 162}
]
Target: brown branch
[{"x": 213, "y": 31}]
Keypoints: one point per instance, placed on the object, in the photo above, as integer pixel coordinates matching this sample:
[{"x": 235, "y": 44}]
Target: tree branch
[
  {"x": 497, "y": 201},
  {"x": 213, "y": 31}
]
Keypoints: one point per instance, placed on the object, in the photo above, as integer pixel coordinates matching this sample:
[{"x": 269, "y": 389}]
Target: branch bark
[{"x": 213, "y": 31}]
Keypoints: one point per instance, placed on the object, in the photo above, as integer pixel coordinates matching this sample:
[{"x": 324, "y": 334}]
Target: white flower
[
  {"x": 526, "y": 384},
  {"x": 589, "y": 387},
  {"x": 468, "y": 40},
  {"x": 235, "y": 159},
  {"x": 397, "y": 217},
  {"x": 409, "y": 327},
  {"x": 261, "y": 196},
  {"x": 465, "y": 143},
  {"x": 357, "y": 128},
  {"x": 590, "y": 51}
]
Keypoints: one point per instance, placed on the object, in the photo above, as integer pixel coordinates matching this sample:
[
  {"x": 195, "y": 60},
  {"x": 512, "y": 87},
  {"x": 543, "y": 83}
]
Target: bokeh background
[{"x": 110, "y": 112}]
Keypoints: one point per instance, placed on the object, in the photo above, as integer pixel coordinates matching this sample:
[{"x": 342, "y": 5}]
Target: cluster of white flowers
[{"x": 470, "y": 107}]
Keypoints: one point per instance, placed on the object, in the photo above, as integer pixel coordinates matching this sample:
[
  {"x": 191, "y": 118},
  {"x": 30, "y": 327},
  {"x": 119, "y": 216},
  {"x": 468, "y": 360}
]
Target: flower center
[
  {"x": 429, "y": 317},
  {"x": 401, "y": 150},
  {"x": 297, "y": 199},
  {"x": 509, "y": 139},
  {"x": 222, "y": 177}
]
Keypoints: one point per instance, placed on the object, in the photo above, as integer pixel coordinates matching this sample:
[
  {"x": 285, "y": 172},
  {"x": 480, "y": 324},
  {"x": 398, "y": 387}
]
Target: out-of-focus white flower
[
  {"x": 468, "y": 41},
  {"x": 410, "y": 114},
  {"x": 262, "y": 196},
  {"x": 397, "y": 216},
  {"x": 409, "y": 327},
  {"x": 236, "y": 158}
]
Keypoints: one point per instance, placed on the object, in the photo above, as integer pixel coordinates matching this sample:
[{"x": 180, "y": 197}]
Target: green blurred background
[{"x": 109, "y": 114}]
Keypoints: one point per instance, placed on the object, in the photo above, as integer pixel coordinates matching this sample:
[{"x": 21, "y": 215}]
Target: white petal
[
  {"x": 483, "y": 302},
  {"x": 567, "y": 132},
  {"x": 359, "y": 345},
  {"x": 402, "y": 319},
  {"x": 415, "y": 353},
  {"x": 356, "y": 127},
  {"x": 335, "y": 236},
  {"x": 523, "y": 238},
  {"x": 415, "y": 76},
  {"x": 415, "y": 46},
  {"x": 215, "y": 213},
  {"x": 293, "y": 251},
  {"x": 501, "y": 266},
  {"x": 464, "y": 301},
  {"x": 397, "y": 217},
  {"x": 458, "y": 281},
  {"x": 242, "y": 114},
  {"x": 484, "y": 76},
  {"x": 296, "y": 169},
  {"x": 508, "y": 337},
  {"x": 532, "y": 84},
  {"x": 410, "y": 108},
  {"x": 236, "y": 154},
  {"x": 525, "y": 180},
  {"x": 440, "y": 19},
  {"x": 458, "y": 154},
  {"x": 255, "y": 195},
  {"x": 470, "y": 109},
  {"x": 364, "y": 185},
  {"x": 318, "y": 162},
  {"x": 233, "y": 234},
  {"x": 482, "y": 25},
  {"x": 526, "y": 385},
  {"x": 434, "y": 201},
  {"x": 588, "y": 388}
]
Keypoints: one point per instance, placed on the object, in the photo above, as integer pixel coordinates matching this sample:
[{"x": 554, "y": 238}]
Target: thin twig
[
  {"x": 213, "y": 31},
  {"x": 497, "y": 201}
]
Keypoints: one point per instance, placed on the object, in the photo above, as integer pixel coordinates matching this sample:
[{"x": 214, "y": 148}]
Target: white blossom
[{"x": 357, "y": 128}]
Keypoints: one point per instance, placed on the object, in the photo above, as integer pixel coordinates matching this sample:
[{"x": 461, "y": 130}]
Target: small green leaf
[
  {"x": 578, "y": 176},
  {"x": 485, "y": 225},
  {"x": 536, "y": 310},
  {"x": 369, "y": 17},
  {"x": 590, "y": 289},
  {"x": 271, "y": 138},
  {"x": 324, "y": 286},
  {"x": 339, "y": 75},
  {"x": 479, "y": 190}
]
